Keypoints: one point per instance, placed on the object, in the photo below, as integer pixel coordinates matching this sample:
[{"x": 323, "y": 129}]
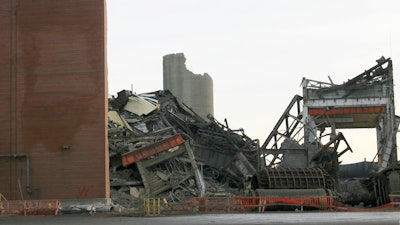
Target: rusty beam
[
  {"x": 347, "y": 110},
  {"x": 151, "y": 149}
]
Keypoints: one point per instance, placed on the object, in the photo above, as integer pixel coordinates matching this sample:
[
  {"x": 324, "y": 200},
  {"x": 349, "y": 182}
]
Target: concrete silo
[{"x": 194, "y": 90}]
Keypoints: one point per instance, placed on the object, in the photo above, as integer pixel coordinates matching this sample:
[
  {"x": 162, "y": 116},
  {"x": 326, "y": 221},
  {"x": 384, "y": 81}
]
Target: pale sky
[{"x": 257, "y": 52}]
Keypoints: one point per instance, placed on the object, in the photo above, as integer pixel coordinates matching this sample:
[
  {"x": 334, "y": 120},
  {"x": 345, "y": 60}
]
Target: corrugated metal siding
[{"x": 61, "y": 95}]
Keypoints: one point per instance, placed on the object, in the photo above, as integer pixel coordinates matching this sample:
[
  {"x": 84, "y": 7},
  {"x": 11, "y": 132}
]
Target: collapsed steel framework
[
  {"x": 300, "y": 139},
  {"x": 366, "y": 101}
]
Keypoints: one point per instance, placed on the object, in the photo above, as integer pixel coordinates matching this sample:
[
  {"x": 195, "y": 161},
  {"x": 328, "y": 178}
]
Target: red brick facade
[{"x": 53, "y": 99}]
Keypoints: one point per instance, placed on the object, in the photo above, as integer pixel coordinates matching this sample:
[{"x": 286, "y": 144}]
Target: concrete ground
[{"x": 274, "y": 218}]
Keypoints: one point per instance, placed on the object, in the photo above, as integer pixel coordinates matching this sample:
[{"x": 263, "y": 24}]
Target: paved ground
[{"x": 274, "y": 218}]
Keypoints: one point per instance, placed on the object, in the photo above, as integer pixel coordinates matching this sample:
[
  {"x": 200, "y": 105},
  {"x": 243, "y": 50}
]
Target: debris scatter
[{"x": 161, "y": 147}]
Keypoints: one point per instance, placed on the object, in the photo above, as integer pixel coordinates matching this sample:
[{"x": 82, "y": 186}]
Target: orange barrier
[
  {"x": 29, "y": 207},
  {"x": 249, "y": 203},
  {"x": 393, "y": 205},
  {"x": 260, "y": 202}
]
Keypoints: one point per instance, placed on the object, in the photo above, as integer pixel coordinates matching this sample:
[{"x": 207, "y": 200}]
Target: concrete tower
[{"x": 195, "y": 90}]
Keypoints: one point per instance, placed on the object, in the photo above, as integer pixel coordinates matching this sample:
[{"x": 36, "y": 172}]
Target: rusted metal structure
[
  {"x": 53, "y": 99},
  {"x": 152, "y": 149}
]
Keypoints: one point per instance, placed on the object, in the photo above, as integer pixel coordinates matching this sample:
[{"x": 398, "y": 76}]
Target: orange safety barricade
[
  {"x": 29, "y": 207},
  {"x": 244, "y": 203},
  {"x": 249, "y": 203}
]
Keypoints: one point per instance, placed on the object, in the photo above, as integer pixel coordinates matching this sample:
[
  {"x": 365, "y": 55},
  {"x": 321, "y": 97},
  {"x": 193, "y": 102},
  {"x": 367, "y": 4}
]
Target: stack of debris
[{"x": 160, "y": 147}]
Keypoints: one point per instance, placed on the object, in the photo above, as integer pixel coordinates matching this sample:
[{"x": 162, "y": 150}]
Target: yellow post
[
  {"x": 146, "y": 207},
  {"x": 158, "y": 206},
  {"x": 165, "y": 202},
  {"x": 152, "y": 206},
  {"x": 2, "y": 197}
]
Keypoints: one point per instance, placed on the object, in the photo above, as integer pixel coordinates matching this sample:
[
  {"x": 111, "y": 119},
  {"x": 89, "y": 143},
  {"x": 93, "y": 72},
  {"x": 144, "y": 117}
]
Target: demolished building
[
  {"x": 160, "y": 147},
  {"x": 169, "y": 150}
]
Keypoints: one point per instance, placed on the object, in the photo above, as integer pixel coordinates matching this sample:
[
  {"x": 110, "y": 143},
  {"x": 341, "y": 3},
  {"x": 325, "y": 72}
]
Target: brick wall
[{"x": 53, "y": 99}]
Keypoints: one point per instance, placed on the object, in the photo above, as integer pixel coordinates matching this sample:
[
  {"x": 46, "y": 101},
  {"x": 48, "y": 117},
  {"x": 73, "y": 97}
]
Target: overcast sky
[{"x": 257, "y": 52}]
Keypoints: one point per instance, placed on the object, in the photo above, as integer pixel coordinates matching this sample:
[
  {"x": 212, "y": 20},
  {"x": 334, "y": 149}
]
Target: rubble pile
[{"x": 160, "y": 147}]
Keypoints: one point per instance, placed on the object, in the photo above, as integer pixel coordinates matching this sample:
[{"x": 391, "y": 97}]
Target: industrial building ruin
[
  {"x": 167, "y": 144},
  {"x": 63, "y": 140},
  {"x": 194, "y": 90},
  {"x": 161, "y": 147}
]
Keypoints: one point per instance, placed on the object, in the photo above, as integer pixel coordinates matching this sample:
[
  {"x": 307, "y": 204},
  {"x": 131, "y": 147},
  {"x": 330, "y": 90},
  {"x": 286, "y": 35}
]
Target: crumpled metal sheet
[{"x": 139, "y": 106}]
